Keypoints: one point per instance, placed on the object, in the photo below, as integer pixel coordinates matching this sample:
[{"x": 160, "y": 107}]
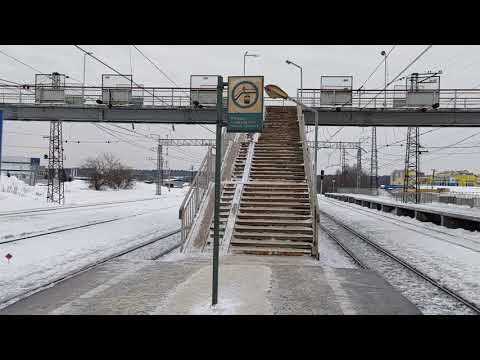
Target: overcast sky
[{"x": 458, "y": 63}]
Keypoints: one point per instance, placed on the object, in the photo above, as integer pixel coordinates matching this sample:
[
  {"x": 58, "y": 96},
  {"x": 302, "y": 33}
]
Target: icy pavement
[
  {"x": 455, "y": 266},
  {"x": 39, "y": 260},
  {"x": 247, "y": 285}
]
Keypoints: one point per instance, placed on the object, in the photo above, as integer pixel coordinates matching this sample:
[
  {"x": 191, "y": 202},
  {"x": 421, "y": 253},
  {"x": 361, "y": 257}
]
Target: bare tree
[{"x": 107, "y": 171}]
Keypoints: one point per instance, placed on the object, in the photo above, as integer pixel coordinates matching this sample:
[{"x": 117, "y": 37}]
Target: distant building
[
  {"x": 455, "y": 178},
  {"x": 176, "y": 182},
  {"x": 398, "y": 176},
  {"x": 23, "y": 168}
]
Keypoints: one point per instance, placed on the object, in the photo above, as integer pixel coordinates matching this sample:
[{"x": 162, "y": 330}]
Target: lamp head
[
  {"x": 275, "y": 92},
  {"x": 383, "y": 53},
  {"x": 288, "y": 62}
]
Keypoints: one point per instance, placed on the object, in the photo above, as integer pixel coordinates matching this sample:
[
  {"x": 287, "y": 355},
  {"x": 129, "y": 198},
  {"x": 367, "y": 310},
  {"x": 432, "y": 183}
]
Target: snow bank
[{"x": 12, "y": 185}]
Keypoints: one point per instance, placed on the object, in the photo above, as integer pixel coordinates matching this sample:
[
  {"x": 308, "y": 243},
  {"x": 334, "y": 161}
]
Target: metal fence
[
  {"x": 182, "y": 97},
  {"x": 354, "y": 190},
  {"x": 447, "y": 98},
  {"x": 95, "y": 95}
]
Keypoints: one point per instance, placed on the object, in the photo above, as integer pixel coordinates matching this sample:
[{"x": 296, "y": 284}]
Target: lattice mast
[
  {"x": 412, "y": 165},
  {"x": 343, "y": 163},
  {"x": 359, "y": 166},
  {"x": 374, "y": 163},
  {"x": 56, "y": 172}
]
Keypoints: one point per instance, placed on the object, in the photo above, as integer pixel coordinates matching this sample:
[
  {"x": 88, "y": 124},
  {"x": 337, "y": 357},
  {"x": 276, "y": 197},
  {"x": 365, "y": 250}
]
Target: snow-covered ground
[
  {"x": 38, "y": 260},
  {"x": 16, "y": 195},
  {"x": 452, "y": 259}
]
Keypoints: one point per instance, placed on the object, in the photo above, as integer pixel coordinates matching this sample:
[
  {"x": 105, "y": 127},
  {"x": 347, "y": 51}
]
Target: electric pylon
[
  {"x": 359, "y": 166},
  {"x": 56, "y": 172},
  {"x": 374, "y": 163},
  {"x": 412, "y": 165}
]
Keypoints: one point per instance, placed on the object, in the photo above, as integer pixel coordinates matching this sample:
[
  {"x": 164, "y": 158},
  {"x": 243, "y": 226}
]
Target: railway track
[
  {"x": 451, "y": 294},
  {"x": 76, "y": 227},
  {"x": 12, "y": 299},
  {"x": 412, "y": 226},
  {"x": 56, "y": 210}
]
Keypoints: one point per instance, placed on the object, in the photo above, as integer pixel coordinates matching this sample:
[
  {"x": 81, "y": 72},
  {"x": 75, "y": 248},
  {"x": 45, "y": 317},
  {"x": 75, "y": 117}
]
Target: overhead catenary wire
[
  {"x": 376, "y": 68},
  {"x": 167, "y": 77},
  {"x": 400, "y": 74},
  {"x": 117, "y": 72}
]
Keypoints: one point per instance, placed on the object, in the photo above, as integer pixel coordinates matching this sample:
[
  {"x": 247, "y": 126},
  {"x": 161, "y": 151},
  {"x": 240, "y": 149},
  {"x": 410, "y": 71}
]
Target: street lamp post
[
  {"x": 83, "y": 83},
  {"x": 384, "y": 54},
  {"x": 301, "y": 77},
  {"x": 244, "y": 57}
]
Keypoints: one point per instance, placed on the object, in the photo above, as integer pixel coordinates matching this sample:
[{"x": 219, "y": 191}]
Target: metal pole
[
  {"x": 159, "y": 168},
  {"x": 385, "y": 99},
  {"x": 83, "y": 83},
  {"x": 244, "y": 56},
  {"x": 315, "y": 234},
  {"x": 433, "y": 178},
  {"x": 218, "y": 163},
  {"x": 301, "y": 85}
]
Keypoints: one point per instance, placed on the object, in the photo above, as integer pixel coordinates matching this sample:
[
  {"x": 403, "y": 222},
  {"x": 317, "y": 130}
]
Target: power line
[
  {"x": 111, "y": 68},
  {"x": 20, "y": 61},
  {"x": 400, "y": 74},
  {"x": 31, "y": 67},
  {"x": 168, "y": 78},
  {"x": 378, "y": 66},
  {"x": 155, "y": 65}
]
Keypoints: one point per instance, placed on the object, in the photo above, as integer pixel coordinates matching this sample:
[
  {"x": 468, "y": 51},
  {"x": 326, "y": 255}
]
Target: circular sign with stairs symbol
[{"x": 245, "y": 94}]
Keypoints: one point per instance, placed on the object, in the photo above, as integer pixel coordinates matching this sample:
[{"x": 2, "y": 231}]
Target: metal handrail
[
  {"x": 201, "y": 183},
  {"x": 199, "y": 186},
  {"x": 308, "y": 165},
  {"x": 180, "y": 97}
]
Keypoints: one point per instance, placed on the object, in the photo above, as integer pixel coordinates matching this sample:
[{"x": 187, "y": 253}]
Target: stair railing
[
  {"x": 308, "y": 165},
  {"x": 199, "y": 201}
]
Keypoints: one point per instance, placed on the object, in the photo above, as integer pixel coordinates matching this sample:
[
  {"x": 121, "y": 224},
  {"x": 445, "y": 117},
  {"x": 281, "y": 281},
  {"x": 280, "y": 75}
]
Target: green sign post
[{"x": 245, "y": 104}]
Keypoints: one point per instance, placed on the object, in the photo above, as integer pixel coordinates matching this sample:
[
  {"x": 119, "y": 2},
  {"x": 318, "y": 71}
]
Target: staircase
[
  {"x": 228, "y": 191},
  {"x": 275, "y": 217}
]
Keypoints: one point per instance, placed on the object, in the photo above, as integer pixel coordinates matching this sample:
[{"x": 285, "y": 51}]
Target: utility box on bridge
[
  {"x": 50, "y": 88},
  {"x": 423, "y": 89},
  {"x": 116, "y": 89},
  {"x": 399, "y": 96},
  {"x": 203, "y": 90},
  {"x": 336, "y": 90}
]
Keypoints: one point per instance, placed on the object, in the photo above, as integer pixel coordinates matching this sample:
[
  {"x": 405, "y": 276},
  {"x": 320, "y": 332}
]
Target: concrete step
[
  {"x": 257, "y": 250},
  {"x": 273, "y": 211},
  {"x": 281, "y": 192},
  {"x": 273, "y": 222},
  {"x": 275, "y": 199},
  {"x": 272, "y": 243},
  {"x": 276, "y": 184},
  {"x": 274, "y": 229},
  {"x": 291, "y": 204},
  {"x": 277, "y": 216},
  {"x": 272, "y": 236}
]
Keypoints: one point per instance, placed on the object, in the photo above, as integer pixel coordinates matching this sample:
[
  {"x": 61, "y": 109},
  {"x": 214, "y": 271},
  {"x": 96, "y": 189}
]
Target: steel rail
[
  {"x": 344, "y": 248},
  {"x": 395, "y": 221},
  {"x": 405, "y": 264},
  {"x": 79, "y": 226},
  {"x": 53, "y": 210},
  {"x": 92, "y": 265}
]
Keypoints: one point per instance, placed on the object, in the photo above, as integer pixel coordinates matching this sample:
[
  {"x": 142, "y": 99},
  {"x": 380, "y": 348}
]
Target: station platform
[
  {"x": 247, "y": 285},
  {"x": 439, "y": 214}
]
